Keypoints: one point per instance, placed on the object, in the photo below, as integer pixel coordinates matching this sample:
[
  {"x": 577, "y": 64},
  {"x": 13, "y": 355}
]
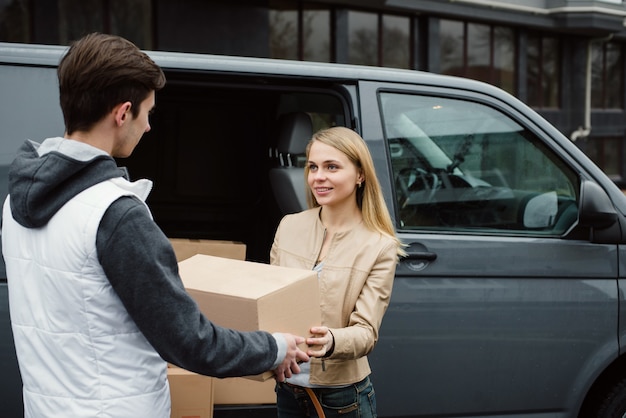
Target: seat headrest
[{"x": 295, "y": 131}]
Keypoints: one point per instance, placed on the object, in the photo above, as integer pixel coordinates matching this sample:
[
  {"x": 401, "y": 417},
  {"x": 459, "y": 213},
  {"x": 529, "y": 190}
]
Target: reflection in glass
[
  {"x": 612, "y": 156},
  {"x": 451, "y": 40},
  {"x": 597, "y": 75},
  {"x": 606, "y": 153},
  {"x": 543, "y": 71},
  {"x": 363, "y": 38},
  {"x": 478, "y": 52},
  {"x": 551, "y": 67},
  {"x": 614, "y": 75},
  {"x": 532, "y": 70},
  {"x": 396, "y": 45},
  {"x": 78, "y": 18},
  {"x": 316, "y": 33},
  {"x": 132, "y": 19},
  {"x": 607, "y": 74},
  {"x": 504, "y": 58},
  {"x": 15, "y": 21},
  {"x": 284, "y": 33}
]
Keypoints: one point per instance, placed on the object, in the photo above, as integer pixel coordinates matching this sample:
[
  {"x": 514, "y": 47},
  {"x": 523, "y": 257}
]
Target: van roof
[{"x": 49, "y": 55}]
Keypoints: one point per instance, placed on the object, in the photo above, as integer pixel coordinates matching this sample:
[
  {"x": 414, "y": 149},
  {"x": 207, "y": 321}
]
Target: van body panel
[
  {"x": 622, "y": 305},
  {"x": 30, "y": 114},
  {"x": 11, "y": 382},
  {"x": 497, "y": 311}
]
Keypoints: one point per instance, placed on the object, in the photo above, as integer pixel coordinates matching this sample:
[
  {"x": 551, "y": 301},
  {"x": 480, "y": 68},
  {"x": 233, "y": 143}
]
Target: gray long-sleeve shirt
[{"x": 137, "y": 259}]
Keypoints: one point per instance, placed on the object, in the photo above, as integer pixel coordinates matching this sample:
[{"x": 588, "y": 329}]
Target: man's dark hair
[{"x": 100, "y": 71}]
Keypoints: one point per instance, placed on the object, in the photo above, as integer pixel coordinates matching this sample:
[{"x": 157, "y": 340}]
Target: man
[{"x": 96, "y": 302}]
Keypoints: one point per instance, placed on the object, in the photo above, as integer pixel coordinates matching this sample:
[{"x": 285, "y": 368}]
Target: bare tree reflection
[
  {"x": 395, "y": 47},
  {"x": 15, "y": 21},
  {"x": 283, "y": 35},
  {"x": 363, "y": 47}
]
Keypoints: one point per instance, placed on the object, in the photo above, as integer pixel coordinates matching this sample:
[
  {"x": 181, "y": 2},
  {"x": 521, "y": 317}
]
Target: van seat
[{"x": 287, "y": 178}]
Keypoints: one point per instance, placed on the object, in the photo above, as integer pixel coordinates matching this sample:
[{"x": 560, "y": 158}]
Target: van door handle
[
  {"x": 421, "y": 255},
  {"x": 418, "y": 257},
  {"x": 418, "y": 251}
]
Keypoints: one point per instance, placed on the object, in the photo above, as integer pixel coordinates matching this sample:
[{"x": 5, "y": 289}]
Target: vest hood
[{"x": 43, "y": 177}]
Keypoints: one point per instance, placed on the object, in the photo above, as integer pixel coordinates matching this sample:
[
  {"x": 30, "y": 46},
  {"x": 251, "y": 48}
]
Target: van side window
[{"x": 464, "y": 166}]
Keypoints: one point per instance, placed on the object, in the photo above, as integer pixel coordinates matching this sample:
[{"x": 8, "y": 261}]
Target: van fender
[{"x": 592, "y": 373}]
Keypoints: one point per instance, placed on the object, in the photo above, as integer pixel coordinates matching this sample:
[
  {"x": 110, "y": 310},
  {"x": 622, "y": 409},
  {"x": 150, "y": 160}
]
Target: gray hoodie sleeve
[{"x": 140, "y": 264}]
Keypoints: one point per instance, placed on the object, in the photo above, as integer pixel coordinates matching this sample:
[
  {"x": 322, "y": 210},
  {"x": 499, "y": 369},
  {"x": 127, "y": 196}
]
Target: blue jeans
[{"x": 354, "y": 401}]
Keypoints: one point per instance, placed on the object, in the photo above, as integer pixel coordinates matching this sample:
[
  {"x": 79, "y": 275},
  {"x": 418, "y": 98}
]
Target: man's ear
[{"x": 121, "y": 112}]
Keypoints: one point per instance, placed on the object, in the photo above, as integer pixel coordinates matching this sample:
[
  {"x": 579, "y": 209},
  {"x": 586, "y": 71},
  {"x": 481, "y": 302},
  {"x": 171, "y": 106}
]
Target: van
[{"x": 510, "y": 301}]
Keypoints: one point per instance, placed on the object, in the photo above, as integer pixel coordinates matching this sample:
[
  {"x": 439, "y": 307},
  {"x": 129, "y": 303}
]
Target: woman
[{"x": 347, "y": 237}]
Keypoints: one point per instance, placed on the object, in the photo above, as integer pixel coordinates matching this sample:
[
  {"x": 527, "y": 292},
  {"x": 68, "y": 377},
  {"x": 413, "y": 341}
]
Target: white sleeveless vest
[{"x": 80, "y": 354}]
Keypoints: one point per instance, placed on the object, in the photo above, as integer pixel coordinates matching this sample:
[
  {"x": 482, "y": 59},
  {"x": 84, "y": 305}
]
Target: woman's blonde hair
[{"x": 369, "y": 195}]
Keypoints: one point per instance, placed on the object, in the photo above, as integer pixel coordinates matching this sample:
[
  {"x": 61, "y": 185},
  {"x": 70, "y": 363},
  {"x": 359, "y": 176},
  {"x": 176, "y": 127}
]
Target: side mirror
[
  {"x": 596, "y": 209},
  {"x": 597, "y": 213}
]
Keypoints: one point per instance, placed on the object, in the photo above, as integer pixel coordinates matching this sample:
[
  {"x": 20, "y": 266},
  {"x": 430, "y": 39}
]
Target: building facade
[{"x": 564, "y": 58}]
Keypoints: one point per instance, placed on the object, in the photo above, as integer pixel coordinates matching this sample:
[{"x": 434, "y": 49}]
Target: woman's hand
[{"x": 322, "y": 343}]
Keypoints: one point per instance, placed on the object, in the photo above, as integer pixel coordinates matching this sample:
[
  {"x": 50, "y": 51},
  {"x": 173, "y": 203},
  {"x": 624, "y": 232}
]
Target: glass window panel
[
  {"x": 614, "y": 76},
  {"x": 284, "y": 30},
  {"x": 14, "y": 21},
  {"x": 396, "y": 43},
  {"x": 594, "y": 151},
  {"x": 504, "y": 58},
  {"x": 363, "y": 38},
  {"x": 316, "y": 33},
  {"x": 607, "y": 154},
  {"x": 451, "y": 39},
  {"x": 543, "y": 71},
  {"x": 533, "y": 72},
  {"x": 464, "y": 166},
  {"x": 78, "y": 18},
  {"x": 612, "y": 156},
  {"x": 550, "y": 79},
  {"x": 132, "y": 19},
  {"x": 597, "y": 75},
  {"x": 479, "y": 52}
]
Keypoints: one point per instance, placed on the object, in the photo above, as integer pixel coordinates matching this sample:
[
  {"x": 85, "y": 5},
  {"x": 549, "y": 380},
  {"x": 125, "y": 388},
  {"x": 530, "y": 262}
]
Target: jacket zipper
[
  {"x": 320, "y": 251},
  {"x": 317, "y": 259}
]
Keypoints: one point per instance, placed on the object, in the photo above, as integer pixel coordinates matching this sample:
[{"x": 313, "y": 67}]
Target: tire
[{"x": 613, "y": 405}]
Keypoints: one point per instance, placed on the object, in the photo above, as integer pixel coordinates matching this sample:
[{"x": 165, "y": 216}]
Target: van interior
[{"x": 213, "y": 145}]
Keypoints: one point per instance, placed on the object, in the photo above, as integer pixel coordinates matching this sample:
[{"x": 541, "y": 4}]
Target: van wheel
[{"x": 614, "y": 403}]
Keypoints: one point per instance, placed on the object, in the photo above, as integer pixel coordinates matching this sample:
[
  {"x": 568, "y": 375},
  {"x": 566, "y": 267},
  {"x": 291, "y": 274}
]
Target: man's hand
[{"x": 290, "y": 366}]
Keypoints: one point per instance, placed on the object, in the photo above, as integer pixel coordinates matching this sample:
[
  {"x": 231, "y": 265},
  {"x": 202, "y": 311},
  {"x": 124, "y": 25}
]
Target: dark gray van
[{"x": 510, "y": 303}]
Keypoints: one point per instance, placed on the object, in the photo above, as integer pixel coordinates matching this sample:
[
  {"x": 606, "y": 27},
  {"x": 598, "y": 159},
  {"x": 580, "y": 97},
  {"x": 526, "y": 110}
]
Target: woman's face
[{"x": 332, "y": 176}]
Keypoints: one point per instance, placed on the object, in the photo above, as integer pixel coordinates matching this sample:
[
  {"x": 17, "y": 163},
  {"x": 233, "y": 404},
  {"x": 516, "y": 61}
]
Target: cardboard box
[
  {"x": 233, "y": 390},
  {"x": 241, "y": 391},
  {"x": 185, "y": 248},
  {"x": 191, "y": 394},
  {"x": 250, "y": 296}
]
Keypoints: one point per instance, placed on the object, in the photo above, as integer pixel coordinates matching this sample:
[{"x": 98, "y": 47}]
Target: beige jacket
[{"x": 355, "y": 288}]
